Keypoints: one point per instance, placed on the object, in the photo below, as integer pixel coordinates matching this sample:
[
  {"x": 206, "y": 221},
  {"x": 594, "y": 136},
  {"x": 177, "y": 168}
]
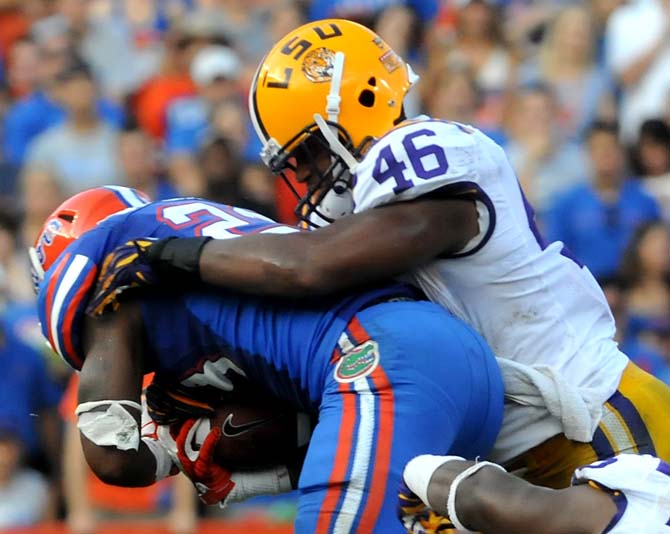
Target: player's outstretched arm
[
  {"x": 358, "y": 249},
  {"x": 355, "y": 250},
  {"x": 109, "y": 397},
  {"x": 493, "y": 501}
]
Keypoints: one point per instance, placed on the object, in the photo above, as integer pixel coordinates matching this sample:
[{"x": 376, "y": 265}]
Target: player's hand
[
  {"x": 169, "y": 405},
  {"x": 124, "y": 268},
  {"x": 212, "y": 481},
  {"x": 417, "y": 517}
]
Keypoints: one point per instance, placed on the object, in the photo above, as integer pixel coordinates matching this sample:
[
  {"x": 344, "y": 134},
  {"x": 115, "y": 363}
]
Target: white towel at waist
[{"x": 578, "y": 409}]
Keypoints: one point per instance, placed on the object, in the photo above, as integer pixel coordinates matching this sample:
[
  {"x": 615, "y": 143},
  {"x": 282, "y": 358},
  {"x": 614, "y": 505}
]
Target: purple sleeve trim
[{"x": 476, "y": 193}]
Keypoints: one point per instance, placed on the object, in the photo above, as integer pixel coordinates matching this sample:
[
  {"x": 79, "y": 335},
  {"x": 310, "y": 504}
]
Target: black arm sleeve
[{"x": 177, "y": 259}]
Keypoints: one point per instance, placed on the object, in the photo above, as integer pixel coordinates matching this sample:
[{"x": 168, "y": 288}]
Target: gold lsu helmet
[{"x": 332, "y": 82}]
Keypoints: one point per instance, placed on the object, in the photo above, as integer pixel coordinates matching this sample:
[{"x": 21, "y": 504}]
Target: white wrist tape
[
  {"x": 451, "y": 499},
  {"x": 420, "y": 470},
  {"x": 163, "y": 460},
  {"x": 249, "y": 484},
  {"x": 115, "y": 427}
]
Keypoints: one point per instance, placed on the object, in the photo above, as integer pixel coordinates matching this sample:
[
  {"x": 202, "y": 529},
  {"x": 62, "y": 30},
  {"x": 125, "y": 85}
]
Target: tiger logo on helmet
[
  {"x": 331, "y": 85},
  {"x": 318, "y": 65}
]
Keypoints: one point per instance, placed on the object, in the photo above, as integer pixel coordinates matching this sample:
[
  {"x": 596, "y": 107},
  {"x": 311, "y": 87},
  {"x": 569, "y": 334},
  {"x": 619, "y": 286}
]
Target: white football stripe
[
  {"x": 67, "y": 281},
  {"x": 345, "y": 343},
  {"x": 362, "y": 456}
]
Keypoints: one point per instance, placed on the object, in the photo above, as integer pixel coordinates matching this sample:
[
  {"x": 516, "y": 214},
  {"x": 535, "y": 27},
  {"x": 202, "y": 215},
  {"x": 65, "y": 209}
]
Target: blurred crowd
[{"x": 152, "y": 94}]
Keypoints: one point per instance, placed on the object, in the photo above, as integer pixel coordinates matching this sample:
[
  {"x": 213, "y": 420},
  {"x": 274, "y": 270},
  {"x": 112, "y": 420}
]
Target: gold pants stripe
[{"x": 636, "y": 420}]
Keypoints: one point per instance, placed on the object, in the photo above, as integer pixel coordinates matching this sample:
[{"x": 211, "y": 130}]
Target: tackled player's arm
[
  {"x": 112, "y": 371},
  {"x": 494, "y": 501},
  {"x": 378, "y": 243}
]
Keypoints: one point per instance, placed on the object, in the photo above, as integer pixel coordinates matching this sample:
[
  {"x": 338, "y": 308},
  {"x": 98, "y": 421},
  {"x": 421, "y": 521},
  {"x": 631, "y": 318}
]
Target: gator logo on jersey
[
  {"x": 358, "y": 362},
  {"x": 318, "y": 65}
]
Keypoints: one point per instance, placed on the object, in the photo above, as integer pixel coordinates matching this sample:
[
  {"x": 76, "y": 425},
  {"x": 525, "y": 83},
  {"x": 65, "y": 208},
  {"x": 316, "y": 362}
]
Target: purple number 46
[{"x": 388, "y": 166}]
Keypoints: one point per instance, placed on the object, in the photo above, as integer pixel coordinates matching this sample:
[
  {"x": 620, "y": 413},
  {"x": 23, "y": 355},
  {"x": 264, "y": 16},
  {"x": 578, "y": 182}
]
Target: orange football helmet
[
  {"x": 74, "y": 217},
  {"x": 332, "y": 85}
]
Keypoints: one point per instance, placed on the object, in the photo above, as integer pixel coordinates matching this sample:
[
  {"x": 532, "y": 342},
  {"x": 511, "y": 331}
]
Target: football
[{"x": 254, "y": 436}]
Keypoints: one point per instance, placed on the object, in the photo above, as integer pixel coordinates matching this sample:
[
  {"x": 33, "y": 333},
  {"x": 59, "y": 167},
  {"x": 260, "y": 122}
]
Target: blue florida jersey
[{"x": 199, "y": 337}]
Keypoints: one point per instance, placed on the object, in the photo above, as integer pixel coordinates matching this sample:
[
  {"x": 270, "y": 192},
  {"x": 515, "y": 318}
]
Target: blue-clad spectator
[
  {"x": 597, "y": 220},
  {"x": 24, "y": 493},
  {"x": 648, "y": 358},
  {"x": 79, "y": 153},
  {"x": 216, "y": 71},
  {"x": 28, "y": 395},
  {"x": 645, "y": 273},
  {"x": 35, "y": 113}
]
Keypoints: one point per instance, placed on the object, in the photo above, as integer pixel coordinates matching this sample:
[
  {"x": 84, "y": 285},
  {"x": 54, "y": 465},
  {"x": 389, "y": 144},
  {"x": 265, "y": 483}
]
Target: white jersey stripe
[
  {"x": 615, "y": 430},
  {"x": 345, "y": 343},
  {"x": 362, "y": 458},
  {"x": 133, "y": 200},
  {"x": 69, "y": 278}
]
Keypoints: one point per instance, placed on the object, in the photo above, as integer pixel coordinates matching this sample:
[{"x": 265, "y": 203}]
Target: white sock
[{"x": 420, "y": 470}]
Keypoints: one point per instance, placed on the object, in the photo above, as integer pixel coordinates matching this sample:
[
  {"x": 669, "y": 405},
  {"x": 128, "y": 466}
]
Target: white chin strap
[
  {"x": 333, "y": 101},
  {"x": 334, "y": 143}
]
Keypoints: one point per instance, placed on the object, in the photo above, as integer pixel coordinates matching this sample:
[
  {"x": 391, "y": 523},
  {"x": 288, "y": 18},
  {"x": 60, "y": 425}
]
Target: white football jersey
[
  {"x": 640, "y": 487},
  {"x": 530, "y": 300}
]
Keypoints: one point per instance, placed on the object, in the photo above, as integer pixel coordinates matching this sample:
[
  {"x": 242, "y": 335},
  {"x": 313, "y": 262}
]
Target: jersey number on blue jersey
[
  {"x": 219, "y": 222},
  {"x": 427, "y": 162}
]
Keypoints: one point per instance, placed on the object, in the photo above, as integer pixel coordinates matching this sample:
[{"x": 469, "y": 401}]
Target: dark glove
[
  {"x": 417, "y": 518},
  {"x": 143, "y": 263},
  {"x": 167, "y": 406}
]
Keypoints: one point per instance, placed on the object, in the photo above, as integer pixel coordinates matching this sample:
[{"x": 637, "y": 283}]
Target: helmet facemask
[
  {"x": 36, "y": 269},
  {"x": 329, "y": 195}
]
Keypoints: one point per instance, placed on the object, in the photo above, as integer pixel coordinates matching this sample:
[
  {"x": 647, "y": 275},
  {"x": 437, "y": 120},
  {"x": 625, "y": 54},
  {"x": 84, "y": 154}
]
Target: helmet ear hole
[{"x": 366, "y": 98}]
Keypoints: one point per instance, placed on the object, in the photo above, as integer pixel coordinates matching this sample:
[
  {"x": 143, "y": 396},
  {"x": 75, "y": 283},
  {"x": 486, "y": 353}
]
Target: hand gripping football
[{"x": 254, "y": 437}]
